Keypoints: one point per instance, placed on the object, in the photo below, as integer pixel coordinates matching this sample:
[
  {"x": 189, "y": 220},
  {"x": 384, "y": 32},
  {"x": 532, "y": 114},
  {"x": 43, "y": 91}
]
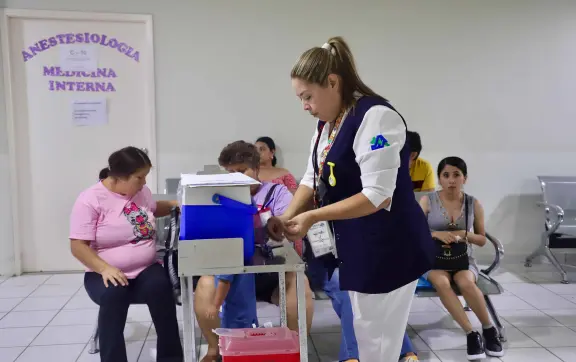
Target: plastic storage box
[{"x": 259, "y": 345}]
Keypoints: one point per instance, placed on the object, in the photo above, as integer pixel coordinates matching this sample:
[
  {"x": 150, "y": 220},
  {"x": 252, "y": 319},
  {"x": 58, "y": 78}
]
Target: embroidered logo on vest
[{"x": 378, "y": 142}]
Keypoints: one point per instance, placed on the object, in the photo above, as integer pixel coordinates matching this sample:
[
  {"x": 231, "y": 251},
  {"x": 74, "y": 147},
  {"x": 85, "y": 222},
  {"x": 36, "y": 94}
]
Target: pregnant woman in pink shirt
[{"x": 112, "y": 232}]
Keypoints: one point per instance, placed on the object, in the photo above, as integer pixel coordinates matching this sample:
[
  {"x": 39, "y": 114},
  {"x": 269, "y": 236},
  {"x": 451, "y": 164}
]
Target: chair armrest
[
  {"x": 552, "y": 227},
  {"x": 499, "y": 248}
]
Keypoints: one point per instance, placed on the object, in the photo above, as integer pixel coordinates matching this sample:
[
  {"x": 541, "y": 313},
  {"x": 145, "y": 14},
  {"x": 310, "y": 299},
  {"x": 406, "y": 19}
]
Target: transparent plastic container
[{"x": 259, "y": 345}]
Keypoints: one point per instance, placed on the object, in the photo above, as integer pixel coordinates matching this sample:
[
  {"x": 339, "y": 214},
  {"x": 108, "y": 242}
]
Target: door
[{"x": 80, "y": 86}]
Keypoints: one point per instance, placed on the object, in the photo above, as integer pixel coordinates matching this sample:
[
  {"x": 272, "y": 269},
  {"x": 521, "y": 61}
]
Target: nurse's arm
[
  {"x": 353, "y": 207},
  {"x": 302, "y": 200},
  {"x": 377, "y": 146}
]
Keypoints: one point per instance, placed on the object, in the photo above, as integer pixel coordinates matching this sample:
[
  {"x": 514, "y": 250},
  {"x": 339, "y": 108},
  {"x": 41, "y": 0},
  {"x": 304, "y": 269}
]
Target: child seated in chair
[{"x": 237, "y": 294}]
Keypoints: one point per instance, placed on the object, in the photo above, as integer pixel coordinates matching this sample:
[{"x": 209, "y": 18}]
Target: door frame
[{"x": 6, "y": 16}]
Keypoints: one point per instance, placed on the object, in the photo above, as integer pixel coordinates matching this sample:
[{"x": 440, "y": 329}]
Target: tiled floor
[{"x": 50, "y": 318}]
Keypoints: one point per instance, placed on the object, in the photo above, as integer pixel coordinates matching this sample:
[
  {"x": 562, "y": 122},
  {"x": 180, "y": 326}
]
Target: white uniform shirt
[{"x": 379, "y": 167}]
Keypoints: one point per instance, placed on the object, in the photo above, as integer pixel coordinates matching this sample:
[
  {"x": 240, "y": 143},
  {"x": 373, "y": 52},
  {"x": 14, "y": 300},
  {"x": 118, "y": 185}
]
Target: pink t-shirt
[{"x": 121, "y": 229}]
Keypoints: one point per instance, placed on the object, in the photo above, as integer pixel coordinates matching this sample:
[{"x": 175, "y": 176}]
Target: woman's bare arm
[
  {"x": 163, "y": 208},
  {"x": 86, "y": 255},
  {"x": 478, "y": 237}
]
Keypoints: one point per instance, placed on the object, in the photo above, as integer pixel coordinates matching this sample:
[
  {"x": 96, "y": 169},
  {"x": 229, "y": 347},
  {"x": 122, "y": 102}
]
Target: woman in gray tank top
[{"x": 445, "y": 210}]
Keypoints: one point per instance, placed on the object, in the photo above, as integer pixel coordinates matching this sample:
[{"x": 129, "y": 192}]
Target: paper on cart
[{"x": 227, "y": 179}]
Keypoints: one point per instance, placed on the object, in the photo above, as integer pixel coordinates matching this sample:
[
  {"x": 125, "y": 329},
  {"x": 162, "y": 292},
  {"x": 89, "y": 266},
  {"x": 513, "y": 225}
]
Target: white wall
[
  {"x": 6, "y": 244},
  {"x": 490, "y": 81}
]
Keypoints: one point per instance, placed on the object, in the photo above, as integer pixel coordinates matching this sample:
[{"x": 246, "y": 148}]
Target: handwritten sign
[
  {"x": 89, "y": 112},
  {"x": 78, "y": 57}
]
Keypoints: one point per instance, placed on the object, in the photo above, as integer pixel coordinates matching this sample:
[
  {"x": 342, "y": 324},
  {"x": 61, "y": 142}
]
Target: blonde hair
[{"x": 316, "y": 64}]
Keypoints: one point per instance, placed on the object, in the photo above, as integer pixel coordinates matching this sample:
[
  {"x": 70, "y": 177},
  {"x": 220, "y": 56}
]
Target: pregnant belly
[{"x": 130, "y": 258}]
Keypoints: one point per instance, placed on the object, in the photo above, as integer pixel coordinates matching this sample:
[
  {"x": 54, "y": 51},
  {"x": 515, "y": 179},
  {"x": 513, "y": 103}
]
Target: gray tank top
[{"x": 439, "y": 220}]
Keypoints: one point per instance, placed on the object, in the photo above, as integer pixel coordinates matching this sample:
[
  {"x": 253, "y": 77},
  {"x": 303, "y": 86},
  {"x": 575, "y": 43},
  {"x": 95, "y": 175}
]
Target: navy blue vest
[{"x": 384, "y": 251}]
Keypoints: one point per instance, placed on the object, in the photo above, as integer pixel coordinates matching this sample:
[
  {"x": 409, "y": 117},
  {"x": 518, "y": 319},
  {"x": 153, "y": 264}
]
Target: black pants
[{"x": 152, "y": 287}]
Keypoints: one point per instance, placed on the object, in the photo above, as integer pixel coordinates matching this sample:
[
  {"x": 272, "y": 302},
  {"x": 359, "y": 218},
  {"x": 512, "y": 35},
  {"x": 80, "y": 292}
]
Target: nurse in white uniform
[{"x": 366, "y": 220}]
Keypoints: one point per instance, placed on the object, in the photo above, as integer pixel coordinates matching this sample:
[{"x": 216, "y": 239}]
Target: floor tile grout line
[
  {"x": 314, "y": 346},
  {"x": 23, "y": 299},
  {"x": 145, "y": 340},
  {"x": 554, "y": 354},
  {"x": 50, "y": 321},
  {"x": 536, "y": 308},
  {"x": 433, "y": 352},
  {"x": 42, "y": 310},
  {"x": 551, "y": 316},
  {"x": 139, "y": 353},
  {"x": 532, "y": 305}
]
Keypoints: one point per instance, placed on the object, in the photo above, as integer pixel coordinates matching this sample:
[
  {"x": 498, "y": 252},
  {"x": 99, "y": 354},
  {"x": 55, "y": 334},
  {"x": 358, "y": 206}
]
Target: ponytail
[
  {"x": 334, "y": 57},
  {"x": 125, "y": 162},
  {"x": 104, "y": 173}
]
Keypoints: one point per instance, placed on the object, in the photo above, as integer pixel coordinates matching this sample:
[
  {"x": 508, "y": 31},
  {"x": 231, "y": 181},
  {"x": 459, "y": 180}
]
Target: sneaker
[
  {"x": 475, "y": 344},
  {"x": 492, "y": 342}
]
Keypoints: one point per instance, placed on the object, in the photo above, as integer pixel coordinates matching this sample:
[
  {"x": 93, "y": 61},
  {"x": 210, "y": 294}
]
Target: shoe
[
  {"x": 492, "y": 342},
  {"x": 475, "y": 350}
]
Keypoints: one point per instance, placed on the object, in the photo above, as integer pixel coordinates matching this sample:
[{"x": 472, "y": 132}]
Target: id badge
[{"x": 321, "y": 239}]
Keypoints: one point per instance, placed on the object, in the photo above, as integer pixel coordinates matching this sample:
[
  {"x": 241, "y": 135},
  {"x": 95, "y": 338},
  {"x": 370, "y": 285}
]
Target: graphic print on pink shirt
[{"x": 143, "y": 229}]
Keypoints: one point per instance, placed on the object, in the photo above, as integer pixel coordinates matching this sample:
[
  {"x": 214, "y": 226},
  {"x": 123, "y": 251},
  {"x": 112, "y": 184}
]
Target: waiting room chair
[{"x": 559, "y": 202}]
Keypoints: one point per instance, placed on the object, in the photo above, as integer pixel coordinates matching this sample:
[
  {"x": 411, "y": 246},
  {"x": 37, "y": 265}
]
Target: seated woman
[
  {"x": 112, "y": 233},
  {"x": 268, "y": 170},
  {"x": 270, "y": 173},
  {"x": 243, "y": 157},
  {"x": 445, "y": 210}
]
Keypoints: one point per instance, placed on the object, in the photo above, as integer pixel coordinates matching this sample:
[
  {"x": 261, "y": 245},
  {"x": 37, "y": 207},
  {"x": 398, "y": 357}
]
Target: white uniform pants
[{"x": 380, "y": 322}]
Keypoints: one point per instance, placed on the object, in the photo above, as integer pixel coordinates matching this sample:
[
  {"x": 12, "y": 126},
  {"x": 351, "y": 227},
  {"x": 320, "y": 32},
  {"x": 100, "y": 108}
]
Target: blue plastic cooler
[{"x": 225, "y": 219}]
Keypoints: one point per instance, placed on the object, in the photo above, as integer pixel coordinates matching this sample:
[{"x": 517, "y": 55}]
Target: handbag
[
  {"x": 171, "y": 256},
  {"x": 454, "y": 256}
]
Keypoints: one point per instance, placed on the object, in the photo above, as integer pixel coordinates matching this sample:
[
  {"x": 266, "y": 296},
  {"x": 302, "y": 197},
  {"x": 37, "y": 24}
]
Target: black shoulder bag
[
  {"x": 453, "y": 257},
  {"x": 261, "y": 233},
  {"x": 171, "y": 256}
]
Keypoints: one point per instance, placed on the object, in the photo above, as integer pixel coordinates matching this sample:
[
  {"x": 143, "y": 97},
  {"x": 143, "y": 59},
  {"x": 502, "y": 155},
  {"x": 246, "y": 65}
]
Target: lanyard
[{"x": 318, "y": 167}]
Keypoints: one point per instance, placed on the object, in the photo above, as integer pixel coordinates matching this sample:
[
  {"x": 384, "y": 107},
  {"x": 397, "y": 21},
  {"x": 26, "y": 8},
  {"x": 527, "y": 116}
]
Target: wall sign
[{"x": 79, "y": 59}]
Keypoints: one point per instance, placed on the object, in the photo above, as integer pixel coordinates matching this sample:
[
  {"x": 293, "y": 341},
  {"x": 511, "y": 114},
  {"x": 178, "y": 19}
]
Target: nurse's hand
[
  {"x": 297, "y": 228},
  {"x": 275, "y": 228}
]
